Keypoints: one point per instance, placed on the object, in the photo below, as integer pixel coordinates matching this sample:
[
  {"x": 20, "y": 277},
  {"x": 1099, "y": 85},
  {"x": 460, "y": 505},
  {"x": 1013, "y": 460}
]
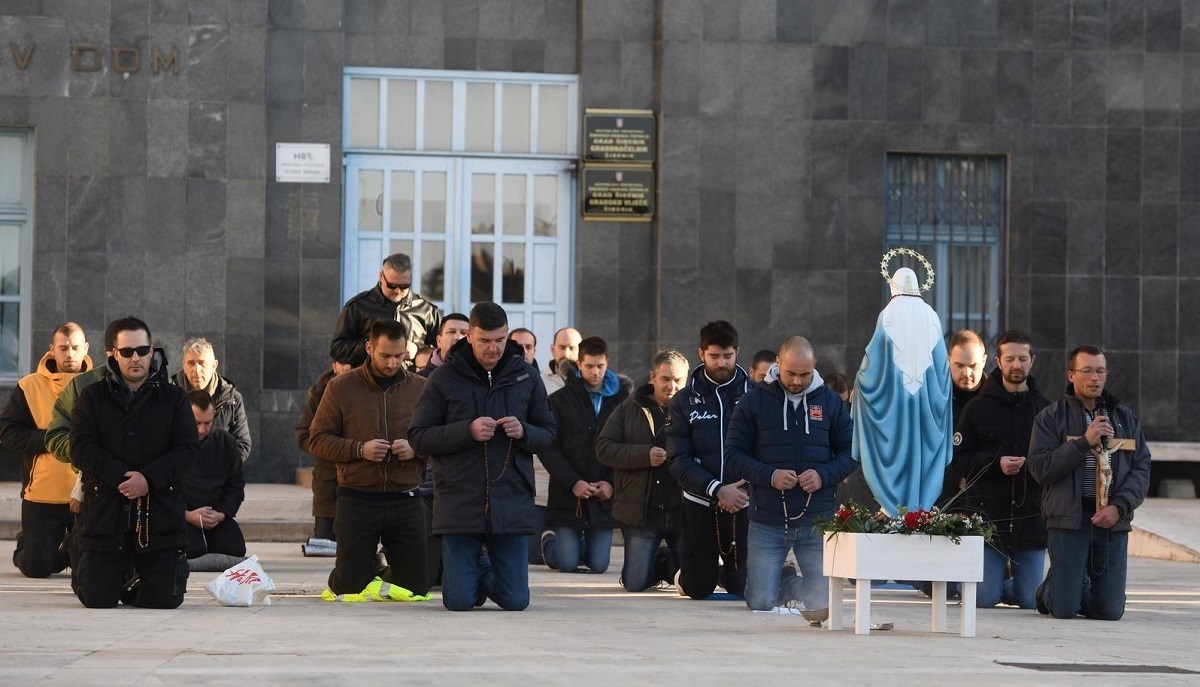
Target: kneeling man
[{"x": 361, "y": 426}]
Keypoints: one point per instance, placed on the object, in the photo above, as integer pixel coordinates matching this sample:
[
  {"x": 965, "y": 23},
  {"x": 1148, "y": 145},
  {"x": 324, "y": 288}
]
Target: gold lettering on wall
[
  {"x": 126, "y": 60},
  {"x": 77, "y": 61},
  {"x": 157, "y": 63},
  {"x": 21, "y": 59}
]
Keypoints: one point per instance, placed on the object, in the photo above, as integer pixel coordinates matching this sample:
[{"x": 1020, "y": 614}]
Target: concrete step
[{"x": 270, "y": 513}]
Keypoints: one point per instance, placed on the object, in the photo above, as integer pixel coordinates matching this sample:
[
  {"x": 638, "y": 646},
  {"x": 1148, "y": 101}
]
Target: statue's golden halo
[{"x": 887, "y": 257}]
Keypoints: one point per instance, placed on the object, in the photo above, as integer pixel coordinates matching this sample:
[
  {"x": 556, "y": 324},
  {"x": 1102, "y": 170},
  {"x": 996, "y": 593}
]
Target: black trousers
[
  {"x": 100, "y": 577},
  {"x": 433, "y": 545},
  {"x": 324, "y": 489},
  {"x": 361, "y": 525},
  {"x": 225, "y": 538},
  {"x": 711, "y": 538},
  {"x": 40, "y": 551}
]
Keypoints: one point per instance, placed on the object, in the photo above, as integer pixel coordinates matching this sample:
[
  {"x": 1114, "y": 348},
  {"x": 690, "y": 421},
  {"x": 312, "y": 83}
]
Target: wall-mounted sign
[
  {"x": 625, "y": 136},
  {"x": 618, "y": 194},
  {"x": 302, "y": 163}
]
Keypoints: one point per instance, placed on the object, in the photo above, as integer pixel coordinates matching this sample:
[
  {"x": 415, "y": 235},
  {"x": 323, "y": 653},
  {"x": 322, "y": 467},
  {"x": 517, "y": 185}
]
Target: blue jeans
[
  {"x": 769, "y": 545},
  {"x": 1018, "y": 590},
  {"x": 1087, "y": 571},
  {"x": 502, "y": 576},
  {"x": 641, "y": 547},
  {"x": 575, "y": 546}
]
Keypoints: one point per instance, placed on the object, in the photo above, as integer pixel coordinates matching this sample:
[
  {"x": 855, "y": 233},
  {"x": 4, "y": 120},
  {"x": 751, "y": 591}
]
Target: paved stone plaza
[{"x": 579, "y": 629}]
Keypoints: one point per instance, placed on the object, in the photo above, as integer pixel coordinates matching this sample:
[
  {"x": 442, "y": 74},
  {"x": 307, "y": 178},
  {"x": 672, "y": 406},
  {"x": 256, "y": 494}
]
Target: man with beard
[
  {"x": 713, "y": 516},
  {"x": 990, "y": 449},
  {"x": 1087, "y": 541},
  {"x": 133, "y": 436},
  {"x": 46, "y": 483}
]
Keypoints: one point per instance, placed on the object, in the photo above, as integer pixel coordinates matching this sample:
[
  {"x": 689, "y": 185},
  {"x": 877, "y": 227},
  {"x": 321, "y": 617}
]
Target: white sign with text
[{"x": 302, "y": 163}]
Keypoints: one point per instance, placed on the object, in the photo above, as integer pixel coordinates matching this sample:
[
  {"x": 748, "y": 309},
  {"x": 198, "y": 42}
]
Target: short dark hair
[
  {"x": 1014, "y": 336},
  {"x": 839, "y": 382},
  {"x": 718, "y": 333},
  {"x": 455, "y": 316},
  {"x": 763, "y": 356},
  {"x": 488, "y": 316},
  {"x": 593, "y": 345},
  {"x": 399, "y": 262},
  {"x": 67, "y": 329},
  {"x": 1087, "y": 349},
  {"x": 389, "y": 328},
  {"x": 200, "y": 398},
  {"x": 520, "y": 330},
  {"x": 965, "y": 337},
  {"x": 129, "y": 323}
]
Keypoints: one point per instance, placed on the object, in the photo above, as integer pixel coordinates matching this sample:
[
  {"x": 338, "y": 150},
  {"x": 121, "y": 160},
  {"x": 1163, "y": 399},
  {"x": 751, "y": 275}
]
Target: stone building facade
[{"x": 781, "y": 122}]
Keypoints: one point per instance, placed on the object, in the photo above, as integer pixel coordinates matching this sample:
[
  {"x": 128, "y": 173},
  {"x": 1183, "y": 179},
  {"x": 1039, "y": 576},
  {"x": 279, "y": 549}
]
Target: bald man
[
  {"x": 565, "y": 347},
  {"x": 790, "y": 441}
]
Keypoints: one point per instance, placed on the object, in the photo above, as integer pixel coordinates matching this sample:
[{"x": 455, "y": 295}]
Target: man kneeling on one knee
[{"x": 361, "y": 425}]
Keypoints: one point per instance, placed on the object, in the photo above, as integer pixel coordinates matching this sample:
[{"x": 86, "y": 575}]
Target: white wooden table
[{"x": 867, "y": 557}]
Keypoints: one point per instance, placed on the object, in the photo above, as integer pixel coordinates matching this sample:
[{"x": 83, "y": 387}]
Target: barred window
[{"x": 951, "y": 209}]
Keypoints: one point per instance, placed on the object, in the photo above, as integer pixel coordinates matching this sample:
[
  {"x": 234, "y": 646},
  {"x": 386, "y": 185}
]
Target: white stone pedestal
[{"x": 867, "y": 557}]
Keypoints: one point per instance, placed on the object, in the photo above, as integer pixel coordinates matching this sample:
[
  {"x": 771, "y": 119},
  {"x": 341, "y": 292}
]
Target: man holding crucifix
[{"x": 1075, "y": 441}]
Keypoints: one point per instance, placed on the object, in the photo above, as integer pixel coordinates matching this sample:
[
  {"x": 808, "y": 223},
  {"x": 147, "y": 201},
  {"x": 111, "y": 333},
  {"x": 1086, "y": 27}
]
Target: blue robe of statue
[{"x": 903, "y": 417}]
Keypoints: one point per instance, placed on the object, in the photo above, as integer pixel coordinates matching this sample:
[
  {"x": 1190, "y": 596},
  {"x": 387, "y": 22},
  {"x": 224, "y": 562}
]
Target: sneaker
[
  {"x": 815, "y": 618},
  {"x": 486, "y": 585},
  {"x": 678, "y": 584},
  {"x": 1040, "y": 595},
  {"x": 548, "y": 537}
]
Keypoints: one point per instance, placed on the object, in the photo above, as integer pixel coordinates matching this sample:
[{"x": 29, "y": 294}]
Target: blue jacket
[
  {"x": 697, "y": 419},
  {"x": 767, "y": 434}
]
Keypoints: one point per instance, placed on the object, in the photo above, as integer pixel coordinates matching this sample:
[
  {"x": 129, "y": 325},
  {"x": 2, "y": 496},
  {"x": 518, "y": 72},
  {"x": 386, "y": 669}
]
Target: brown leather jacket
[{"x": 355, "y": 409}]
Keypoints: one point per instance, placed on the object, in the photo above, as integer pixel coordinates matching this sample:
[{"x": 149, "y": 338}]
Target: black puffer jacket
[
  {"x": 421, "y": 319},
  {"x": 573, "y": 456},
  {"x": 230, "y": 411},
  {"x": 998, "y": 423},
  {"x": 641, "y": 493},
  {"x": 482, "y": 487},
  {"x": 151, "y": 431}
]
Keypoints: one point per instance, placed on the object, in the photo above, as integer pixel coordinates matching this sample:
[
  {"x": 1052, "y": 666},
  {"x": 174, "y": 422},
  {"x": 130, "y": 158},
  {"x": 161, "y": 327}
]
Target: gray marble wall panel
[{"x": 777, "y": 117}]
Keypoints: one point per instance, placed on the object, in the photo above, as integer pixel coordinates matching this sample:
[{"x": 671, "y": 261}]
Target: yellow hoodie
[{"x": 50, "y": 481}]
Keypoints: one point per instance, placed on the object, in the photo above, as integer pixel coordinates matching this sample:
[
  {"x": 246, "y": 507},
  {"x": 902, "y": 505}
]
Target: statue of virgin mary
[{"x": 902, "y": 409}]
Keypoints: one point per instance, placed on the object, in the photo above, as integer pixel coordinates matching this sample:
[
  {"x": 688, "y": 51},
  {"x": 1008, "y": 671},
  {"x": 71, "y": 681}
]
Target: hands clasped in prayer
[{"x": 484, "y": 428}]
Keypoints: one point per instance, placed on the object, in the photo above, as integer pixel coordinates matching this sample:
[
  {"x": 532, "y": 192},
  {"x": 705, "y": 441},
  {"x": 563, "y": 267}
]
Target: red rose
[
  {"x": 912, "y": 519},
  {"x": 844, "y": 514}
]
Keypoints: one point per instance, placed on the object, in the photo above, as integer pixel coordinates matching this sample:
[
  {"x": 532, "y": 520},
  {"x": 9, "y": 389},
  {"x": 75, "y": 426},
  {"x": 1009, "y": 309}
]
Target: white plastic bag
[{"x": 245, "y": 584}]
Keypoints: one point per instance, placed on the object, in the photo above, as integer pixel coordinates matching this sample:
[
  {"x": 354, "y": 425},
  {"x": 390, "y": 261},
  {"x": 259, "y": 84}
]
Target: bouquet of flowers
[{"x": 856, "y": 518}]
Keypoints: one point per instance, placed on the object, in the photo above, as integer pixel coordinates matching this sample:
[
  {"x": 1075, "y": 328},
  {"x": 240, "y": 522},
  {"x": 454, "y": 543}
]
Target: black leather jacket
[{"x": 420, "y": 318}]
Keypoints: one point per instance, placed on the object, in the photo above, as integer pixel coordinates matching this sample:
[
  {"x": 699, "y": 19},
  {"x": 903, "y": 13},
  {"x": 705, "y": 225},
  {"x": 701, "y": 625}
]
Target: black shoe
[
  {"x": 129, "y": 590},
  {"x": 486, "y": 584},
  {"x": 547, "y": 537},
  {"x": 1040, "y": 596}
]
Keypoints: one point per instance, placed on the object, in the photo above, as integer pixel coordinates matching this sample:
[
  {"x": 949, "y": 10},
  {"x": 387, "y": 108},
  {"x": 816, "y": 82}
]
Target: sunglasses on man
[
  {"x": 397, "y": 287},
  {"x": 128, "y": 351}
]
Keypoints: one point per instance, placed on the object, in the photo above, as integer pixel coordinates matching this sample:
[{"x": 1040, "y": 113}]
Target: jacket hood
[
  {"x": 1110, "y": 401},
  {"x": 773, "y": 376},
  {"x": 462, "y": 357},
  {"x": 609, "y": 386},
  {"x": 48, "y": 369},
  {"x": 158, "y": 369},
  {"x": 771, "y": 385},
  {"x": 645, "y": 396}
]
